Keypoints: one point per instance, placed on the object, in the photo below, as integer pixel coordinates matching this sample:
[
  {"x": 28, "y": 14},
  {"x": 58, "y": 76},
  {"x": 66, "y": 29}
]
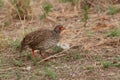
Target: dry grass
[{"x": 95, "y": 52}]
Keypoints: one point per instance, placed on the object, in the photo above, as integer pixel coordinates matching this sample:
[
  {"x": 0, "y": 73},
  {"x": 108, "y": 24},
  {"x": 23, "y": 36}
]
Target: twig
[
  {"x": 14, "y": 9},
  {"x": 60, "y": 54},
  {"x": 8, "y": 69},
  {"x": 51, "y": 19}
]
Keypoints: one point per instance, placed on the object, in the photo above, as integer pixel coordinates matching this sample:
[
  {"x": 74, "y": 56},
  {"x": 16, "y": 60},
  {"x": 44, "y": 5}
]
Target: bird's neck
[{"x": 56, "y": 32}]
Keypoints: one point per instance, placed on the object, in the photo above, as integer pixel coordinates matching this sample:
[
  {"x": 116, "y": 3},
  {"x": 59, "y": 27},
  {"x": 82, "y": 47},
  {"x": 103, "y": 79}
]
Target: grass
[
  {"x": 7, "y": 23},
  {"x": 3, "y": 61},
  {"x": 17, "y": 63},
  {"x": 118, "y": 58},
  {"x": 72, "y": 56},
  {"x": 32, "y": 78},
  {"x": 1, "y": 3},
  {"x": 27, "y": 31},
  {"x": 43, "y": 16},
  {"x": 22, "y": 7},
  {"x": 29, "y": 56},
  {"x": 37, "y": 72},
  {"x": 15, "y": 44},
  {"x": 113, "y": 10},
  {"x": 90, "y": 68},
  {"x": 76, "y": 55},
  {"x": 72, "y": 1},
  {"x": 50, "y": 63},
  {"x": 7, "y": 75},
  {"x": 57, "y": 49},
  {"x": 4, "y": 42},
  {"x": 114, "y": 33},
  {"x": 19, "y": 75},
  {"x": 98, "y": 58},
  {"x": 106, "y": 64},
  {"x": 90, "y": 33},
  {"x": 47, "y": 8},
  {"x": 117, "y": 65},
  {"x": 50, "y": 73},
  {"x": 85, "y": 15}
]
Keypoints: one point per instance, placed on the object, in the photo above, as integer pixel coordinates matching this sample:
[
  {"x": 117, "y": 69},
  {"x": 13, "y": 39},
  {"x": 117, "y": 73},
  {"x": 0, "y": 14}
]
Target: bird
[{"x": 42, "y": 40}]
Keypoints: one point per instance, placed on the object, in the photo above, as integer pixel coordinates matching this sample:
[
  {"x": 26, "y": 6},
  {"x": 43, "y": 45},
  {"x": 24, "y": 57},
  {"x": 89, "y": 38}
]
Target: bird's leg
[
  {"x": 33, "y": 53},
  {"x": 43, "y": 55}
]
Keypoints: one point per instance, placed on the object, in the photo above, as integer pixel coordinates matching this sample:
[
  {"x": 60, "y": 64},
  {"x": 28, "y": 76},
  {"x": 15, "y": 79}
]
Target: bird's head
[{"x": 59, "y": 28}]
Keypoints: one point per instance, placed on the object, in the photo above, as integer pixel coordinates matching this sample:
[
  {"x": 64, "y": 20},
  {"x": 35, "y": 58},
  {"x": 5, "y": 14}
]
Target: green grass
[
  {"x": 64, "y": 1},
  {"x": 3, "y": 61},
  {"x": 43, "y": 16},
  {"x": 17, "y": 63},
  {"x": 16, "y": 43},
  {"x": 85, "y": 15},
  {"x": 47, "y": 8},
  {"x": 98, "y": 58},
  {"x": 72, "y": 56},
  {"x": 86, "y": 8},
  {"x": 113, "y": 10},
  {"x": 72, "y": 1},
  {"x": 29, "y": 56},
  {"x": 23, "y": 9},
  {"x": 76, "y": 55},
  {"x": 114, "y": 33},
  {"x": 90, "y": 68},
  {"x": 37, "y": 72},
  {"x": 7, "y": 75},
  {"x": 1, "y": 3},
  {"x": 7, "y": 23},
  {"x": 27, "y": 3},
  {"x": 57, "y": 49},
  {"x": 27, "y": 31},
  {"x": 106, "y": 64},
  {"x": 117, "y": 65},
  {"x": 118, "y": 58},
  {"x": 50, "y": 73},
  {"x": 19, "y": 75},
  {"x": 90, "y": 33}
]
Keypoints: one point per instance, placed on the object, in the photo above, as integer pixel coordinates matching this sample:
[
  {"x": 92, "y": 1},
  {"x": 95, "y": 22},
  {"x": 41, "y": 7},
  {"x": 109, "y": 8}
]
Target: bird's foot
[
  {"x": 44, "y": 56},
  {"x": 33, "y": 53}
]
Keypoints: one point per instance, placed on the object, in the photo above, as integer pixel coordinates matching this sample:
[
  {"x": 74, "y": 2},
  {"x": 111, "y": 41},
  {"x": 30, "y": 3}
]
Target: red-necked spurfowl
[{"x": 42, "y": 39}]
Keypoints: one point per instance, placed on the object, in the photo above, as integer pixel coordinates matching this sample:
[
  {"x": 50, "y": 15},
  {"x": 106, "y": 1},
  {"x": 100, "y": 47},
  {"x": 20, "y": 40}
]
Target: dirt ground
[{"x": 96, "y": 51}]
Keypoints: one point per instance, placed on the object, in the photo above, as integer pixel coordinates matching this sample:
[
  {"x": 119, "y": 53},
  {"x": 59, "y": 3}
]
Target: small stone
[{"x": 28, "y": 68}]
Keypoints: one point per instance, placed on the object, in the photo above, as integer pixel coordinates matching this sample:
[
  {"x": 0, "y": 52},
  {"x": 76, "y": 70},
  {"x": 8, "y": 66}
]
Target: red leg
[
  {"x": 43, "y": 55},
  {"x": 33, "y": 53}
]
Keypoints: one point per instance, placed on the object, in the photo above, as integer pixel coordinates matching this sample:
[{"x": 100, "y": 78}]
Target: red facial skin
[{"x": 61, "y": 28}]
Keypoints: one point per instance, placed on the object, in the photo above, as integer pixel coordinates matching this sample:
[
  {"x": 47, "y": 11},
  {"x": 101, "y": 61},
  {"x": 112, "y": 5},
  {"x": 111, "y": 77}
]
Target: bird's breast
[{"x": 50, "y": 42}]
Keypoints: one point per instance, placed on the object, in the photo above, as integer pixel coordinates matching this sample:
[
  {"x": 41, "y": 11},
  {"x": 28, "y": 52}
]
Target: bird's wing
[{"x": 35, "y": 37}]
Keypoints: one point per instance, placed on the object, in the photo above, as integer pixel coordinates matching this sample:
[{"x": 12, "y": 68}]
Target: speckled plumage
[{"x": 41, "y": 39}]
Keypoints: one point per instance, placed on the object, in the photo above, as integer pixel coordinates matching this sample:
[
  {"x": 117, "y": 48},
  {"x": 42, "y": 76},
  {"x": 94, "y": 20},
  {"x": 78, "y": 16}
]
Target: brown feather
[{"x": 40, "y": 40}]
